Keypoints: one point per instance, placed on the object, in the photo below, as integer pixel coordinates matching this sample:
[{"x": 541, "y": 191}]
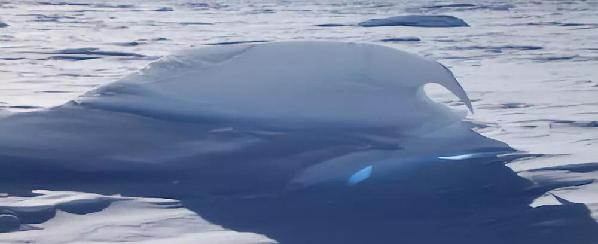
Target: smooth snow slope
[
  {"x": 303, "y": 142},
  {"x": 288, "y": 81}
]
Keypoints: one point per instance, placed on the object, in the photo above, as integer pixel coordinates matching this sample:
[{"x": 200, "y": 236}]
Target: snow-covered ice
[
  {"x": 417, "y": 20},
  {"x": 241, "y": 136},
  {"x": 401, "y": 39},
  {"x": 320, "y": 82},
  {"x": 528, "y": 68}
]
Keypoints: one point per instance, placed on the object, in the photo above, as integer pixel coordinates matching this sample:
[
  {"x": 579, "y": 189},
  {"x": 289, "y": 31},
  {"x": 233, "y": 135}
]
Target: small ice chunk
[
  {"x": 332, "y": 25},
  {"x": 164, "y": 9},
  {"x": 401, "y": 39},
  {"x": 451, "y": 5},
  {"x": 417, "y": 20}
]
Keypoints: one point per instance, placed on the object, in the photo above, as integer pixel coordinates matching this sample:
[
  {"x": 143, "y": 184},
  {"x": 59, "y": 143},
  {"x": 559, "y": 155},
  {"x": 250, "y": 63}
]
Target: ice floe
[
  {"x": 451, "y": 5},
  {"x": 417, "y": 21},
  {"x": 401, "y": 39},
  {"x": 235, "y": 42}
]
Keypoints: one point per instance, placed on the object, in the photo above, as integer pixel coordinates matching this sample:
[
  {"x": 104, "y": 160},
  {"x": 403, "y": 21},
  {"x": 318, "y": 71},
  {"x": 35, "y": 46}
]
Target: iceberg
[
  {"x": 292, "y": 81},
  {"x": 169, "y": 113},
  {"x": 417, "y": 21},
  {"x": 288, "y": 142}
]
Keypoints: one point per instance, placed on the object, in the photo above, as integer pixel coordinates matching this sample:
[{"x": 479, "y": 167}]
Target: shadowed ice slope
[{"x": 303, "y": 142}]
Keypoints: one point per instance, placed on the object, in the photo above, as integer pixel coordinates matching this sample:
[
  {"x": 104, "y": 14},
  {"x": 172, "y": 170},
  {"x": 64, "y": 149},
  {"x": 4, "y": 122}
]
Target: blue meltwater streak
[
  {"x": 470, "y": 156},
  {"x": 361, "y": 175},
  {"x": 459, "y": 157}
]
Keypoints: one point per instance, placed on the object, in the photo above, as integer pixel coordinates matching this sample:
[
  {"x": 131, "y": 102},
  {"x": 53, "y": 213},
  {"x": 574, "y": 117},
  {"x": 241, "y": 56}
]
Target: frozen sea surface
[{"x": 529, "y": 69}]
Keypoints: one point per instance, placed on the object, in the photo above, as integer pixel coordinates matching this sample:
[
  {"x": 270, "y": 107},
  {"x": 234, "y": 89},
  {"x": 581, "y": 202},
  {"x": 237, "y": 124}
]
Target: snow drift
[{"x": 303, "y": 142}]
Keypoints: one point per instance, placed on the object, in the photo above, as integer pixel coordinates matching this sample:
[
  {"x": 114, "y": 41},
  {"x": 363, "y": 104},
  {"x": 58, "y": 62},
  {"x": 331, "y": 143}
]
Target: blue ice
[{"x": 361, "y": 175}]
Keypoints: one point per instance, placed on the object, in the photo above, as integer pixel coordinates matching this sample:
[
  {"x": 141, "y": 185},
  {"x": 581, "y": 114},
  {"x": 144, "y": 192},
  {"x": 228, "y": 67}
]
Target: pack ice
[{"x": 289, "y": 142}]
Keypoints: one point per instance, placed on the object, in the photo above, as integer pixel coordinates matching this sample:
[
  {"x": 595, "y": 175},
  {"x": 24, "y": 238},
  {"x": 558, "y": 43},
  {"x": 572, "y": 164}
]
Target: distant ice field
[{"x": 530, "y": 69}]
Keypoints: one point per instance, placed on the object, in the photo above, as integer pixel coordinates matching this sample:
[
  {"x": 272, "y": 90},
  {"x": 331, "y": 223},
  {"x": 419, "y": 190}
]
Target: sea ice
[{"x": 417, "y": 20}]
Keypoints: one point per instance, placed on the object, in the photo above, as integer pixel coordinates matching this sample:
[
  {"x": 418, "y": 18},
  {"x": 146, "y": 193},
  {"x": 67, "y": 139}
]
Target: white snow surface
[{"x": 122, "y": 219}]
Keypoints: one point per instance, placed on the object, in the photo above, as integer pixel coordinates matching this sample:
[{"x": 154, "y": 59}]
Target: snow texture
[{"x": 110, "y": 219}]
